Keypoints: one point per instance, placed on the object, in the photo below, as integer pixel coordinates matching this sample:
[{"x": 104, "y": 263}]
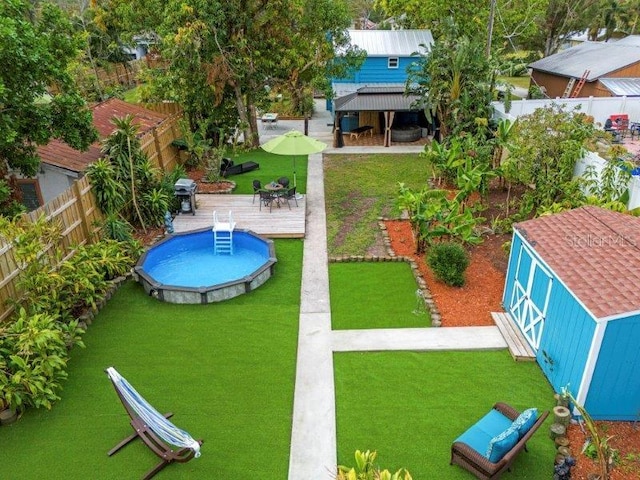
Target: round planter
[
  {"x": 406, "y": 134},
  {"x": 8, "y": 416}
]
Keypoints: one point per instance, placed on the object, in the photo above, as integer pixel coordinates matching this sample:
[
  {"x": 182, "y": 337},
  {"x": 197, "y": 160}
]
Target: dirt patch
[{"x": 472, "y": 304}]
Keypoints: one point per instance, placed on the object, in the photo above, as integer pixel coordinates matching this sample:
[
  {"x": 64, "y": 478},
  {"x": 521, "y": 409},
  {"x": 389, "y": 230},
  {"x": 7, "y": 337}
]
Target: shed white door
[{"x": 530, "y": 296}]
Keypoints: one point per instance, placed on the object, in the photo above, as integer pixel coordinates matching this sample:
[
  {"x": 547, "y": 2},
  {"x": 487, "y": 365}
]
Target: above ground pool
[{"x": 184, "y": 267}]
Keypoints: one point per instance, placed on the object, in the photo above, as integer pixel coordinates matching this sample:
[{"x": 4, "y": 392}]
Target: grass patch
[
  {"x": 133, "y": 95},
  {"x": 226, "y": 370},
  {"x": 522, "y": 82},
  {"x": 361, "y": 188},
  {"x": 271, "y": 168},
  {"x": 411, "y": 406},
  {"x": 362, "y": 296}
]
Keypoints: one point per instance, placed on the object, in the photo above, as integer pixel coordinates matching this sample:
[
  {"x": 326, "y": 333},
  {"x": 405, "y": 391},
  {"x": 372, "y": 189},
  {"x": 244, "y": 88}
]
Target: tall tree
[
  {"x": 563, "y": 17},
  {"x": 470, "y": 15},
  {"x": 228, "y": 52},
  {"x": 38, "y": 98},
  {"x": 455, "y": 80}
]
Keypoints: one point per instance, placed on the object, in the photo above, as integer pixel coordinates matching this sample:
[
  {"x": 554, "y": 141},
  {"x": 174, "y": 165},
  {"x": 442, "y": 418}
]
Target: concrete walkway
[{"x": 313, "y": 453}]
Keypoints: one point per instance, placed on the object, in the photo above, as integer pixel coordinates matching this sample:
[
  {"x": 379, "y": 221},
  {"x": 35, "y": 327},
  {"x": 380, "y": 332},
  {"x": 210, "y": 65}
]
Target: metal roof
[
  {"x": 62, "y": 155},
  {"x": 376, "y": 99},
  {"x": 595, "y": 252},
  {"x": 600, "y": 58},
  {"x": 391, "y": 43},
  {"x": 622, "y": 87},
  {"x": 629, "y": 40}
]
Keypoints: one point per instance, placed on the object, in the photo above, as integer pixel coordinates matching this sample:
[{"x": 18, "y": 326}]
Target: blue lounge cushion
[
  {"x": 525, "y": 421},
  {"x": 480, "y": 434},
  {"x": 500, "y": 445}
]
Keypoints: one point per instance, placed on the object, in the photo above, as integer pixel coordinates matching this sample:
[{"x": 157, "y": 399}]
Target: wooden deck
[
  {"x": 518, "y": 346},
  {"x": 280, "y": 223}
]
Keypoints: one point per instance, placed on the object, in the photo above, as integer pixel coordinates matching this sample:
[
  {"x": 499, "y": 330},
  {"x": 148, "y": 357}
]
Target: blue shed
[
  {"x": 572, "y": 290},
  {"x": 389, "y": 53}
]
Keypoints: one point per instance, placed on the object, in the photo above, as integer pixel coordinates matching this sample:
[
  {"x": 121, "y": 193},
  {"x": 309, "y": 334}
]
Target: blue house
[
  {"x": 373, "y": 96},
  {"x": 572, "y": 290}
]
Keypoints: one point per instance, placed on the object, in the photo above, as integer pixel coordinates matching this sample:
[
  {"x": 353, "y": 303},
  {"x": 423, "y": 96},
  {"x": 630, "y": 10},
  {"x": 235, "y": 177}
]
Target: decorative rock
[
  {"x": 565, "y": 451},
  {"x": 561, "y": 442}
]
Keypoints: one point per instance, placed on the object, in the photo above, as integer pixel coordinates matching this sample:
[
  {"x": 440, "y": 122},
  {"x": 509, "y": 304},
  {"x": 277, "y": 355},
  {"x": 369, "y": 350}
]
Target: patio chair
[
  {"x": 284, "y": 181},
  {"x": 153, "y": 428},
  {"x": 267, "y": 198},
  {"x": 288, "y": 194},
  {"x": 257, "y": 186}
]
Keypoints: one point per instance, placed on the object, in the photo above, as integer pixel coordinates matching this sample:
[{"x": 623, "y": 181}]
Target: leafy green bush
[{"x": 448, "y": 262}]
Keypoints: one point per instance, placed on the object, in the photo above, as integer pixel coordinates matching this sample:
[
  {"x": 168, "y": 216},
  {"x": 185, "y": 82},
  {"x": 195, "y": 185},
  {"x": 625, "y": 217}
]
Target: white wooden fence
[
  {"x": 598, "y": 163},
  {"x": 598, "y": 107}
]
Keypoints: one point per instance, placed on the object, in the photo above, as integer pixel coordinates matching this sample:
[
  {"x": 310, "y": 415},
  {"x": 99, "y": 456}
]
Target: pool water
[
  {"x": 184, "y": 268},
  {"x": 190, "y": 261}
]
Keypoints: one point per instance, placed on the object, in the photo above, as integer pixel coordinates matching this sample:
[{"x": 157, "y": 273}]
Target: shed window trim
[{"x": 393, "y": 62}]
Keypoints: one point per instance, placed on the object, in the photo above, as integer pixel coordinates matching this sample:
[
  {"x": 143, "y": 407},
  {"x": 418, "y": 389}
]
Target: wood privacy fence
[
  {"x": 75, "y": 211},
  {"x": 156, "y": 143}
]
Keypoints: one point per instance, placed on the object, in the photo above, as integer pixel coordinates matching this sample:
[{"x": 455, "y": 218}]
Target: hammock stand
[{"x": 151, "y": 439}]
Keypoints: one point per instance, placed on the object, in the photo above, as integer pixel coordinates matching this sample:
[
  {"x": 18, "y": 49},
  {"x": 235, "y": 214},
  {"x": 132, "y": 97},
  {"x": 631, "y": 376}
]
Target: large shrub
[{"x": 448, "y": 262}]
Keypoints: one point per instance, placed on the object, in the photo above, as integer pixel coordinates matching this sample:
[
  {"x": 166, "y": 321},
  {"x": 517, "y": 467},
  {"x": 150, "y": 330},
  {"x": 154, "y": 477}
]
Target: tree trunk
[{"x": 250, "y": 129}]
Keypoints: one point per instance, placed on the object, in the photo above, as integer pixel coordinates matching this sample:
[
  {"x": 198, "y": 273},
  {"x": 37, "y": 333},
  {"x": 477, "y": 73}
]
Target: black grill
[{"x": 185, "y": 189}]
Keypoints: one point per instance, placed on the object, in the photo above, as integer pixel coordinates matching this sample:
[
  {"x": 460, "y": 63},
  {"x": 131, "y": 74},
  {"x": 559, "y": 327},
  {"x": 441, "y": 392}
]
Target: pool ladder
[{"x": 223, "y": 235}]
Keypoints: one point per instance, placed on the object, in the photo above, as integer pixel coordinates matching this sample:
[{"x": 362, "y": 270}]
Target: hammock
[
  {"x": 154, "y": 419},
  {"x": 152, "y": 427}
]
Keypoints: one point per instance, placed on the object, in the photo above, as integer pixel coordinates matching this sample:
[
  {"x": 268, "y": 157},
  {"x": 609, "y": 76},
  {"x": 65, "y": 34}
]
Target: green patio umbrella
[{"x": 294, "y": 143}]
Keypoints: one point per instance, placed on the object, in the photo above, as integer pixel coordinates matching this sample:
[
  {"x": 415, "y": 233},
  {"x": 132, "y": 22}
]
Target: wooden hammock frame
[{"x": 156, "y": 444}]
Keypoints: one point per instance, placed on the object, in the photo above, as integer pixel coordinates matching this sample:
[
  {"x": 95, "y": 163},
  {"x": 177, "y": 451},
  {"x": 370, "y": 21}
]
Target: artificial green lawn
[
  {"x": 361, "y": 188},
  {"x": 226, "y": 370},
  {"x": 374, "y": 295},
  {"x": 271, "y": 168},
  {"x": 411, "y": 406}
]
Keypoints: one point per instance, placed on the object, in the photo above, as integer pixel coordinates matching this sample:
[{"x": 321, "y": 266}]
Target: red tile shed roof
[
  {"x": 61, "y": 155},
  {"x": 595, "y": 252}
]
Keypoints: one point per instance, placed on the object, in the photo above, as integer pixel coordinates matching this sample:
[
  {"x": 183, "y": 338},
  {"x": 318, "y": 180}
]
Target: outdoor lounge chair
[
  {"x": 228, "y": 168},
  {"x": 490, "y": 446},
  {"x": 152, "y": 428}
]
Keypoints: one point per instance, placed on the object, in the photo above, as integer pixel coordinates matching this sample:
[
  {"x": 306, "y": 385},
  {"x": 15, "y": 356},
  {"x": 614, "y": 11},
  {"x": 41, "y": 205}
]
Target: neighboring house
[
  {"x": 141, "y": 46},
  {"x": 577, "y": 38},
  {"x": 61, "y": 165},
  {"x": 374, "y": 94},
  {"x": 571, "y": 288},
  {"x": 605, "y": 67}
]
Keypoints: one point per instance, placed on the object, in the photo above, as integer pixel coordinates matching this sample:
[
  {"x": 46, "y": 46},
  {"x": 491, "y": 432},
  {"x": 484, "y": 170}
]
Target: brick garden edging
[{"x": 436, "y": 319}]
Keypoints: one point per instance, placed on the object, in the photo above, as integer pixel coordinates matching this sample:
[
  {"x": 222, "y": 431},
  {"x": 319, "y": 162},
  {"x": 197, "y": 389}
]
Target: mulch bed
[{"x": 471, "y": 305}]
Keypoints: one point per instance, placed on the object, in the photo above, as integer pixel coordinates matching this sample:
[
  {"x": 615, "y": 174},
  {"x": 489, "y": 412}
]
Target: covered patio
[{"x": 384, "y": 113}]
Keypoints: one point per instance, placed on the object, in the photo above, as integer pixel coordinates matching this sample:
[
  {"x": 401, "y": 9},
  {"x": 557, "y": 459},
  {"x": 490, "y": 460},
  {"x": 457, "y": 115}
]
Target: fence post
[
  {"x": 77, "y": 191},
  {"x": 160, "y": 155}
]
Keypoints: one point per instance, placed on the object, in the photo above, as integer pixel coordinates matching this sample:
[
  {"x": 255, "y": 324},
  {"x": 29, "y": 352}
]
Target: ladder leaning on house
[
  {"x": 223, "y": 235},
  {"x": 570, "y": 84},
  {"x": 583, "y": 79},
  {"x": 569, "y": 91}
]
